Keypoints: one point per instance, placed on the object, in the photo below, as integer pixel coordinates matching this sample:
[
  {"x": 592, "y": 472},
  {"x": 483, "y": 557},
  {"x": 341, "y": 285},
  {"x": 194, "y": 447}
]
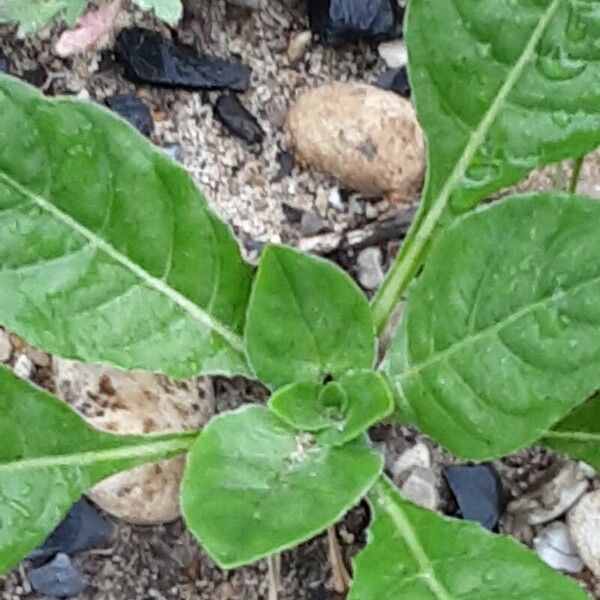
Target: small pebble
[
  {"x": 416, "y": 456},
  {"x": 394, "y": 53},
  {"x": 292, "y": 214},
  {"x": 341, "y": 21},
  {"x": 58, "y": 578},
  {"x": 550, "y": 499},
  {"x": 298, "y": 46},
  {"x": 370, "y": 271},
  {"x": 234, "y": 116},
  {"x": 554, "y": 546},
  {"x": 5, "y": 65},
  {"x": 334, "y": 199},
  {"x": 84, "y": 528},
  {"x": 584, "y": 529},
  {"x": 312, "y": 224},
  {"x": 174, "y": 152},
  {"x": 285, "y": 160},
  {"x": 23, "y": 366},
  {"x": 421, "y": 488},
  {"x": 133, "y": 110},
  {"x": 395, "y": 80},
  {"x": 478, "y": 492},
  {"x": 5, "y": 346}
]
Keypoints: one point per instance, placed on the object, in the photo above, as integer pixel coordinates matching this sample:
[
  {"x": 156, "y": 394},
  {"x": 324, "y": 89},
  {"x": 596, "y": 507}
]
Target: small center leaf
[{"x": 340, "y": 411}]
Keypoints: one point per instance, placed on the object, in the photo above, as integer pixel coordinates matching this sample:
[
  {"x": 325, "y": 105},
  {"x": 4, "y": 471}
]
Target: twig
[
  {"x": 577, "y": 163},
  {"x": 274, "y": 564},
  {"x": 341, "y": 579}
]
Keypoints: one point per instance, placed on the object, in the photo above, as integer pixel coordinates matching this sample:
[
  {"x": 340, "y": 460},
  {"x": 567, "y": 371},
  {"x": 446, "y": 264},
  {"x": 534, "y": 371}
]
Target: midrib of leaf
[
  {"x": 409, "y": 259},
  {"x": 573, "y": 436},
  {"x": 409, "y": 536},
  {"x": 149, "y": 450},
  {"x": 492, "y": 329},
  {"x": 152, "y": 282}
]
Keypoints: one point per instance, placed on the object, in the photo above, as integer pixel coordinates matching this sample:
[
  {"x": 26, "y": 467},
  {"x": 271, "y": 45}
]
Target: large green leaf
[
  {"x": 49, "y": 457},
  {"x": 340, "y": 410},
  {"x": 417, "y": 554},
  {"x": 500, "y": 336},
  {"x": 578, "y": 435},
  {"x": 306, "y": 320},
  {"x": 108, "y": 253},
  {"x": 501, "y": 87},
  {"x": 254, "y": 486}
]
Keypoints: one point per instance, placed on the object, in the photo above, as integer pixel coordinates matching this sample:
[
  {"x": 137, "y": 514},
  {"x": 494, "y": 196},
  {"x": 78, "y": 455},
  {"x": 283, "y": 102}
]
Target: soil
[{"x": 165, "y": 562}]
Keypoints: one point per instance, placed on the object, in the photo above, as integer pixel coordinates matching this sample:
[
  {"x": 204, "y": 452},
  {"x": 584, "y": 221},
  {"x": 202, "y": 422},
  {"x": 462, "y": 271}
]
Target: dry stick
[
  {"x": 341, "y": 579},
  {"x": 274, "y": 564}
]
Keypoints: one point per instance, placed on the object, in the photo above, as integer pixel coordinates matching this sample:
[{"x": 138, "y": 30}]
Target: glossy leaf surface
[
  {"x": 254, "y": 486},
  {"x": 501, "y": 87},
  {"x": 340, "y": 411},
  {"x": 49, "y": 457},
  {"x": 578, "y": 435},
  {"x": 532, "y": 71},
  {"x": 499, "y": 337},
  {"x": 416, "y": 553},
  {"x": 306, "y": 320},
  {"x": 108, "y": 253}
]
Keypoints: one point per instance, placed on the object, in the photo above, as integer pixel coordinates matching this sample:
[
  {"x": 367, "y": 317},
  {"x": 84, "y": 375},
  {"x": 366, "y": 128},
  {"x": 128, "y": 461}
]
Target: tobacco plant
[{"x": 109, "y": 254}]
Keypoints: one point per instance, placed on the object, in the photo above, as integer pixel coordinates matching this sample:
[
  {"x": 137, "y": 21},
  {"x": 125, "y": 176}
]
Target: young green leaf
[
  {"x": 49, "y": 457},
  {"x": 415, "y": 553},
  {"x": 578, "y": 435},
  {"x": 108, "y": 252},
  {"x": 306, "y": 320},
  {"x": 31, "y": 15},
  {"x": 339, "y": 411},
  {"x": 501, "y": 87},
  {"x": 254, "y": 486},
  {"x": 499, "y": 338}
]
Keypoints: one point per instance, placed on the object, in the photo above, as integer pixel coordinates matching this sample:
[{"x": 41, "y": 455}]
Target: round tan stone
[
  {"x": 366, "y": 137},
  {"x": 135, "y": 403}
]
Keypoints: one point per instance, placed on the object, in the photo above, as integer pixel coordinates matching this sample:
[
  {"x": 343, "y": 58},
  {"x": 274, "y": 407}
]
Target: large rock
[
  {"x": 134, "y": 403},
  {"x": 584, "y": 527},
  {"x": 367, "y": 137}
]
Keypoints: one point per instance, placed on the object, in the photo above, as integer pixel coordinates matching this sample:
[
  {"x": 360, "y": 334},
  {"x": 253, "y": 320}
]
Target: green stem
[
  {"x": 415, "y": 245},
  {"x": 577, "y": 164}
]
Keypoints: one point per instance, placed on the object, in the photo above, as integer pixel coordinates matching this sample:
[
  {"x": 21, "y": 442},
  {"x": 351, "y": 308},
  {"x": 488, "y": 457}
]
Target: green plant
[
  {"x": 109, "y": 254},
  {"x": 31, "y": 15}
]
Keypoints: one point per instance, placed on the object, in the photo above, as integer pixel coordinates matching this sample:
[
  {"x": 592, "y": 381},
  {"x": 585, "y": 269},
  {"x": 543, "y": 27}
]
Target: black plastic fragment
[
  {"x": 132, "y": 109},
  {"x": 149, "y": 58},
  {"x": 340, "y": 21},
  {"x": 478, "y": 492},
  {"x": 84, "y": 528},
  {"x": 395, "y": 80},
  {"x": 58, "y": 578},
  {"x": 236, "y": 118}
]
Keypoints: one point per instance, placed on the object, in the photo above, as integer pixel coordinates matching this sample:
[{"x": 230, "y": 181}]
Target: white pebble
[
  {"x": 554, "y": 546},
  {"x": 23, "y": 367},
  {"x": 394, "y": 53},
  {"x": 5, "y": 346}
]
